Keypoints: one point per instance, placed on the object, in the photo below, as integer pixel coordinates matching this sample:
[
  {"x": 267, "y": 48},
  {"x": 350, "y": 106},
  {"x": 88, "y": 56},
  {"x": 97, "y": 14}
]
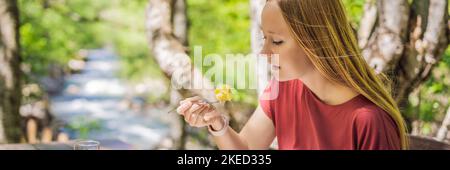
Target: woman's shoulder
[
  {"x": 374, "y": 128},
  {"x": 370, "y": 114}
]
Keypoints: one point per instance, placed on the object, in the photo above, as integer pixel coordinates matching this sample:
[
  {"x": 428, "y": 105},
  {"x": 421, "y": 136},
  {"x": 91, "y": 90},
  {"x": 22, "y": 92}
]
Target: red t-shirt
[{"x": 302, "y": 121}]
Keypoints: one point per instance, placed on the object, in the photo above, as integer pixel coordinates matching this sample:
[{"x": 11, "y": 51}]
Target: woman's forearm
[
  {"x": 258, "y": 132},
  {"x": 231, "y": 140}
]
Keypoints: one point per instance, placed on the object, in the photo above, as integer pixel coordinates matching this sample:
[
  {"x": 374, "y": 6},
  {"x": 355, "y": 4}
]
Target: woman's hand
[
  {"x": 199, "y": 113},
  {"x": 258, "y": 133}
]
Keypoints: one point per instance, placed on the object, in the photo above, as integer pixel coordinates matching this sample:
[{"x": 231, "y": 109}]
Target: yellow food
[{"x": 223, "y": 93}]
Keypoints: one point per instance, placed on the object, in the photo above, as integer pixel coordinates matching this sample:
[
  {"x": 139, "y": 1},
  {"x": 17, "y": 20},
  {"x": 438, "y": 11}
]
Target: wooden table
[{"x": 104, "y": 145}]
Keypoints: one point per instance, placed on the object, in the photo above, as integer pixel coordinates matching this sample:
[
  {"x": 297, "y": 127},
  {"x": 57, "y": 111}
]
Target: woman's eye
[{"x": 277, "y": 42}]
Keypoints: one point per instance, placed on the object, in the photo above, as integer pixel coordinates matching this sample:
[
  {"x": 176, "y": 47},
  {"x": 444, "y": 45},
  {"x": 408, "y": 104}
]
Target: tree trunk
[
  {"x": 180, "y": 21},
  {"x": 166, "y": 25},
  {"x": 404, "y": 41},
  {"x": 171, "y": 54},
  {"x": 10, "y": 93},
  {"x": 443, "y": 130},
  {"x": 180, "y": 31}
]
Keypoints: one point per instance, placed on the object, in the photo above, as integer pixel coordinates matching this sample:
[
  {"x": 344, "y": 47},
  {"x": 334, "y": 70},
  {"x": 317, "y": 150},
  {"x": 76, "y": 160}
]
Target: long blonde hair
[{"x": 321, "y": 27}]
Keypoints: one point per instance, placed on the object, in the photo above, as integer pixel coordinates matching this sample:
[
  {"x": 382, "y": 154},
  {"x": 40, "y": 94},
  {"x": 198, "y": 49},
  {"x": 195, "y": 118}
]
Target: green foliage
[
  {"x": 225, "y": 27},
  {"x": 53, "y": 31},
  {"x": 84, "y": 125},
  {"x": 224, "y": 30},
  {"x": 429, "y": 104},
  {"x": 354, "y": 10}
]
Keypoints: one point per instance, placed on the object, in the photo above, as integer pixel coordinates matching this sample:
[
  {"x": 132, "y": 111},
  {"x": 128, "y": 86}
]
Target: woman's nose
[{"x": 265, "y": 52}]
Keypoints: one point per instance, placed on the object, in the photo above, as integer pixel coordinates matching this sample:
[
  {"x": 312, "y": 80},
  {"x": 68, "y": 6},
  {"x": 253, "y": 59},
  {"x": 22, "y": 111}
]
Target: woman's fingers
[
  {"x": 191, "y": 99},
  {"x": 187, "y": 104},
  {"x": 184, "y": 107},
  {"x": 194, "y": 108},
  {"x": 211, "y": 115},
  {"x": 197, "y": 117},
  {"x": 196, "y": 112}
]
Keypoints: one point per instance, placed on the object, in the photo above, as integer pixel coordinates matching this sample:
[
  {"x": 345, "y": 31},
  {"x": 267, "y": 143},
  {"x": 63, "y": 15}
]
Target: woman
[{"x": 328, "y": 97}]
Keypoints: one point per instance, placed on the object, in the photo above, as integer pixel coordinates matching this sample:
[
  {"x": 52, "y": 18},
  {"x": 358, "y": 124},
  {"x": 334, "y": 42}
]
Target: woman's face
[{"x": 292, "y": 62}]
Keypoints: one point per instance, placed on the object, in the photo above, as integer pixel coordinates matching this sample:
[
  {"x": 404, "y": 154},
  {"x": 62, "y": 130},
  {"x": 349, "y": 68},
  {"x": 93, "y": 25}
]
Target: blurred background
[{"x": 102, "y": 69}]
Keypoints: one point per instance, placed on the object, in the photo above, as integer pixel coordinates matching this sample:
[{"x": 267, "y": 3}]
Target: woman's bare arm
[{"x": 258, "y": 133}]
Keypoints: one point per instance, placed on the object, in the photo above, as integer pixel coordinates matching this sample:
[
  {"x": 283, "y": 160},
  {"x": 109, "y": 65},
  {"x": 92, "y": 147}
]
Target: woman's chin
[
  {"x": 276, "y": 74},
  {"x": 279, "y": 77}
]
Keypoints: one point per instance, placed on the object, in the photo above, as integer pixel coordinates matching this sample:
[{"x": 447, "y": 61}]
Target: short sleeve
[
  {"x": 266, "y": 101},
  {"x": 265, "y": 105},
  {"x": 375, "y": 130}
]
